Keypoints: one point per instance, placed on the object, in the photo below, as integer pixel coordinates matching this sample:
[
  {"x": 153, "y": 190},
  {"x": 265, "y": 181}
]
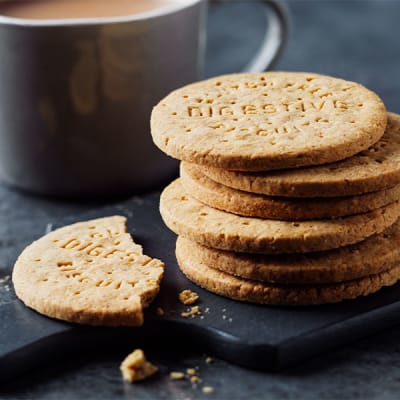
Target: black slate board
[{"x": 250, "y": 335}]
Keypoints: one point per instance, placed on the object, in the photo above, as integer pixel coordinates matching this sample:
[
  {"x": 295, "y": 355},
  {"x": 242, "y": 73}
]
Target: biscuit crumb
[
  {"x": 195, "y": 310},
  {"x": 209, "y": 360},
  {"x": 160, "y": 312},
  {"x": 5, "y": 279},
  {"x": 175, "y": 376},
  {"x": 191, "y": 312},
  {"x": 135, "y": 367},
  {"x": 208, "y": 389},
  {"x": 188, "y": 297},
  {"x": 191, "y": 371},
  {"x": 185, "y": 314},
  {"x": 194, "y": 379}
]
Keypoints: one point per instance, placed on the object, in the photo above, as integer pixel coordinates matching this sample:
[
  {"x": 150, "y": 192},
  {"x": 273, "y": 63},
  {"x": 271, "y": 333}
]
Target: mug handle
[{"x": 275, "y": 36}]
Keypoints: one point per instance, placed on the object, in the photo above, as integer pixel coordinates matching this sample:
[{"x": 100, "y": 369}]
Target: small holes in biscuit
[
  {"x": 203, "y": 214},
  {"x": 246, "y": 223},
  {"x": 218, "y": 83},
  {"x": 38, "y": 259}
]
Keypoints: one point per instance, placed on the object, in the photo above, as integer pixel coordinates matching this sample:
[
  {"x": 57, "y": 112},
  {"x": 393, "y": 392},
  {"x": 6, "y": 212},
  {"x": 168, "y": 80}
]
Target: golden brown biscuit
[
  {"x": 272, "y": 120},
  {"x": 214, "y": 228},
  {"x": 90, "y": 273},
  {"x": 289, "y": 295},
  {"x": 248, "y": 204},
  {"x": 371, "y": 256},
  {"x": 371, "y": 170}
]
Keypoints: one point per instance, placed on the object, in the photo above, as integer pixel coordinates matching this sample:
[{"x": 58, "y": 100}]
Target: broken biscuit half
[{"x": 89, "y": 273}]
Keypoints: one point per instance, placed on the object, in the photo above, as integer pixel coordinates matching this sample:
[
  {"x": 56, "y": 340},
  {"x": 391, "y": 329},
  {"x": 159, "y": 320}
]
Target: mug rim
[{"x": 158, "y": 12}]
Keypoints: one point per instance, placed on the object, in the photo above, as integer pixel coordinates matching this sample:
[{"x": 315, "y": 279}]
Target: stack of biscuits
[{"x": 289, "y": 187}]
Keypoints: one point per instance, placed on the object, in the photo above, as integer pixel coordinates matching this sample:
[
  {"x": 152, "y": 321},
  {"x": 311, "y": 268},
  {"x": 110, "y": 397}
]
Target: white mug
[{"x": 76, "y": 95}]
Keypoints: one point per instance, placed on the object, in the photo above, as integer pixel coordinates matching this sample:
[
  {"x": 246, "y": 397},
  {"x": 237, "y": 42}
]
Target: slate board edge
[{"x": 309, "y": 345}]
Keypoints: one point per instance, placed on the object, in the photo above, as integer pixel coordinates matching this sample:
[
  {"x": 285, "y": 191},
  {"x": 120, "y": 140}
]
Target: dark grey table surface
[{"x": 357, "y": 40}]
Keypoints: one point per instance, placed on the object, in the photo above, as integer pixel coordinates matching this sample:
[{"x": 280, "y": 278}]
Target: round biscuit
[
  {"x": 374, "y": 169},
  {"x": 215, "y": 228},
  {"x": 241, "y": 289},
  {"x": 371, "y": 256},
  {"x": 271, "y": 120},
  {"x": 216, "y": 195}
]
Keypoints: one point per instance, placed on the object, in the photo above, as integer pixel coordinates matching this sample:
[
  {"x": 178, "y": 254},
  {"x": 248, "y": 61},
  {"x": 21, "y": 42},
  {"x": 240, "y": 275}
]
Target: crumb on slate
[
  {"x": 135, "y": 367},
  {"x": 188, "y": 297},
  {"x": 175, "y": 375}
]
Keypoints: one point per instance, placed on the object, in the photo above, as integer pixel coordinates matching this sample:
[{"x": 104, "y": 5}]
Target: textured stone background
[{"x": 357, "y": 40}]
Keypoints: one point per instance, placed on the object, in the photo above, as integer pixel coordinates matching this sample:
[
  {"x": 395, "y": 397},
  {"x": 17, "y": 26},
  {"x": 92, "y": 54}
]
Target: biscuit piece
[
  {"x": 267, "y": 293},
  {"x": 374, "y": 169},
  {"x": 272, "y": 120},
  {"x": 135, "y": 367},
  {"x": 214, "y": 228},
  {"x": 371, "y": 256},
  {"x": 90, "y": 273},
  {"x": 188, "y": 297},
  {"x": 248, "y": 204}
]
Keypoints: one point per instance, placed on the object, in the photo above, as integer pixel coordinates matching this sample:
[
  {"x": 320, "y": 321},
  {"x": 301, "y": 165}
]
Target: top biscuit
[{"x": 272, "y": 120}]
